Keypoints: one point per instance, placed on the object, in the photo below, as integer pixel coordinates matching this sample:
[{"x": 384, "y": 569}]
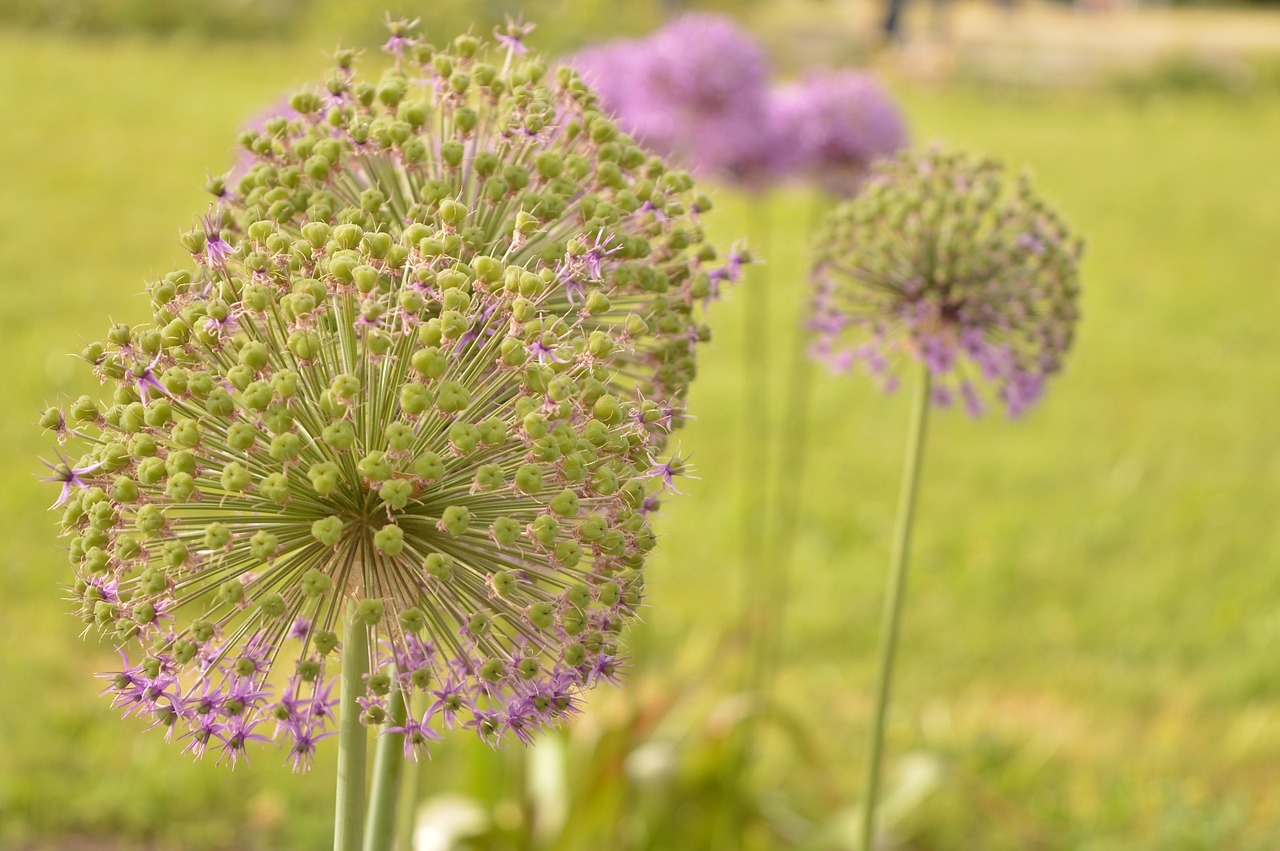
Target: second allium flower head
[
  {"x": 943, "y": 260},
  {"x": 431, "y": 348}
]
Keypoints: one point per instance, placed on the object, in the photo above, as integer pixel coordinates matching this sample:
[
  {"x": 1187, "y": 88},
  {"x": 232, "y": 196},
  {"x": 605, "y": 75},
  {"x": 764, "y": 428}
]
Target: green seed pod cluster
[{"x": 434, "y": 341}]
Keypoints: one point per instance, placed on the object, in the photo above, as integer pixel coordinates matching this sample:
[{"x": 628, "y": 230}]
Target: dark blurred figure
[
  {"x": 893, "y": 21},
  {"x": 938, "y": 18}
]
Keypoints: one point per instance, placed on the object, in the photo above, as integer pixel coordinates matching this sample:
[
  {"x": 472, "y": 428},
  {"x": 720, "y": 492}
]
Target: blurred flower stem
[
  {"x": 792, "y": 461},
  {"x": 348, "y": 824},
  {"x": 755, "y": 435},
  {"x": 388, "y": 768},
  {"x": 894, "y": 595},
  {"x": 747, "y": 636}
]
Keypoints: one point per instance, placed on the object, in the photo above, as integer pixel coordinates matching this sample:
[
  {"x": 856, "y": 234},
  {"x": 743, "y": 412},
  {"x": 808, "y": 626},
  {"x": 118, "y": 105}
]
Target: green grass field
[{"x": 1091, "y": 643}]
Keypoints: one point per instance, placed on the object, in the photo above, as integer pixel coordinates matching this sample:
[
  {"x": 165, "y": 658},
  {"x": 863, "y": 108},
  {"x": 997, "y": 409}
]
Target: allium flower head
[
  {"x": 421, "y": 370},
  {"x": 694, "y": 90},
  {"x": 840, "y": 123},
  {"x": 942, "y": 259},
  {"x": 707, "y": 62}
]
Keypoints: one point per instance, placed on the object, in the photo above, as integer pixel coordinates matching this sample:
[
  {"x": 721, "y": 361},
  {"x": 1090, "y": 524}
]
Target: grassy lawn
[{"x": 1091, "y": 641}]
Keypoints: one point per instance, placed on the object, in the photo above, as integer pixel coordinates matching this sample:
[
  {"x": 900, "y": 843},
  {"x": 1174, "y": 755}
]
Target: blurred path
[{"x": 1036, "y": 42}]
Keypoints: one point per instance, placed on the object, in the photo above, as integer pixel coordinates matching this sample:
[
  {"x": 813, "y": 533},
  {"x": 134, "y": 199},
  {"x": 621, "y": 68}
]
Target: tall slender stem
[
  {"x": 348, "y": 824},
  {"x": 388, "y": 768},
  {"x": 894, "y": 595}
]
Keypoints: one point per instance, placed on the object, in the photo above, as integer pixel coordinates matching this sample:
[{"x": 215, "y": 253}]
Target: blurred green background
[{"x": 1090, "y": 649}]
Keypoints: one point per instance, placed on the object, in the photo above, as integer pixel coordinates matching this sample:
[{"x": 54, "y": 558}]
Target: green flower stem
[
  {"x": 893, "y": 598},
  {"x": 348, "y": 825},
  {"x": 388, "y": 768}
]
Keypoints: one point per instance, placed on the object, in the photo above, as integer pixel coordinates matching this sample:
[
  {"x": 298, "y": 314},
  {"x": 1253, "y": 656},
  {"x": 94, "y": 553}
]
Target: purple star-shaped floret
[
  {"x": 511, "y": 36},
  {"x": 451, "y": 698},
  {"x": 305, "y": 738},
  {"x": 70, "y": 477},
  {"x": 146, "y": 381},
  {"x": 236, "y": 735},
  {"x": 667, "y": 471},
  {"x": 417, "y": 736},
  {"x": 216, "y": 249}
]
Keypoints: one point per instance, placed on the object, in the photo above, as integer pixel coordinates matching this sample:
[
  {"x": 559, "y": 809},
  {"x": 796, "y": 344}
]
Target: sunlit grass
[{"x": 1095, "y": 610}]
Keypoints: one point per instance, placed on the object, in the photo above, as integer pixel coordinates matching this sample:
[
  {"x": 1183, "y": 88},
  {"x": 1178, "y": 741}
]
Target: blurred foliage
[
  {"x": 235, "y": 19},
  {"x": 1187, "y": 73},
  {"x": 562, "y": 24},
  {"x": 645, "y": 771},
  {"x": 566, "y": 24}
]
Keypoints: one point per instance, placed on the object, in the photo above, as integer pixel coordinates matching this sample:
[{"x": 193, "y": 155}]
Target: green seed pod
[
  {"x": 375, "y": 467},
  {"x": 217, "y": 536},
  {"x": 389, "y": 539},
  {"x": 370, "y": 611},
  {"x": 396, "y": 493},
  {"x": 438, "y": 566},
  {"x": 263, "y": 545},
  {"x": 340, "y": 435},
  {"x": 506, "y": 531},
  {"x": 429, "y": 466},
  {"x": 456, "y": 520},
  {"x": 234, "y": 478},
  {"x": 430, "y": 362},
  {"x": 416, "y": 398}
]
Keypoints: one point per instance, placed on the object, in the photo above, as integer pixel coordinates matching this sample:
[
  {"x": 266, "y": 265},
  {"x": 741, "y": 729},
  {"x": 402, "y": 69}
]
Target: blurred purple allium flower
[
  {"x": 422, "y": 368},
  {"x": 707, "y": 63},
  {"x": 694, "y": 90},
  {"x": 767, "y": 152},
  {"x": 838, "y": 124},
  {"x": 941, "y": 259}
]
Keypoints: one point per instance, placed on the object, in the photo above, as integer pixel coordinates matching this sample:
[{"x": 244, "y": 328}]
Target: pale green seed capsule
[
  {"x": 315, "y": 583},
  {"x": 396, "y": 493},
  {"x": 370, "y": 611},
  {"x": 374, "y": 466},
  {"x": 456, "y": 520},
  {"x": 327, "y": 530},
  {"x": 340, "y": 435},
  {"x": 389, "y": 539},
  {"x": 438, "y": 566}
]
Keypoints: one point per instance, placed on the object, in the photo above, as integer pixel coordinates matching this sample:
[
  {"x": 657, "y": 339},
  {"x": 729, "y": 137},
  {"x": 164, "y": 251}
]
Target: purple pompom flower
[
  {"x": 694, "y": 90},
  {"x": 942, "y": 260},
  {"x": 838, "y": 125}
]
